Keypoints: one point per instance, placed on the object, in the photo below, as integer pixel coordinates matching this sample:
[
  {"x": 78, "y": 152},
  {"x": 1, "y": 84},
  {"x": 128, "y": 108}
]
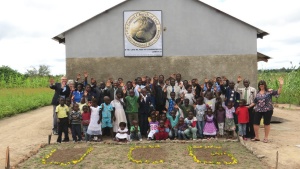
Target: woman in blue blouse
[{"x": 263, "y": 107}]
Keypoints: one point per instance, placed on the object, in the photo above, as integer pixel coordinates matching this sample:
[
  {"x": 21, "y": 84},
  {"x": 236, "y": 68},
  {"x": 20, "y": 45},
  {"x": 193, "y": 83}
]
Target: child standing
[
  {"x": 135, "y": 131},
  {"x": 153, "y": 127},
  {"x": 181, "y": 128},
  {"x": 186, "y": 107},
  {"x": 119, "y": 110},
  {"x": 86, "y": 116},
  {"x": 107, "y": 115},
  {"x": 210, "y": 130},
  {"x": 189, "y": 95},
  {"x": 62, "y": 112},
  {"x": 229, "y": 120},
  {"x": 243, "y": 118},
  {"x": 200, "y": 111},
  {"x": 94, "y": 128},
  {"x": 172, "y": 102},
  {"x": 174, "y": 121},
  {"x": 162, "y": 133},
  {"x": 191, "y": 122},
  {"x": 122, "y": 132},
  {"x": 210, "y": 100},
  {"x": 75, "y": 118},
  {"x": 131, "y": 102},
  {"x": 220, "y": 113}
]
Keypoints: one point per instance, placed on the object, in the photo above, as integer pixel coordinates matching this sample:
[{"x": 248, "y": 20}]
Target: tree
[{"x": 43, "y": 70}]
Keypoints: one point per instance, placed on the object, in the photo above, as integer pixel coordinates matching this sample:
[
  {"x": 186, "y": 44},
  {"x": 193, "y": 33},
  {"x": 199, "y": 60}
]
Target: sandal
[
  {"x": 255, "y": 139},
  {"x": 266, "y": 140}
]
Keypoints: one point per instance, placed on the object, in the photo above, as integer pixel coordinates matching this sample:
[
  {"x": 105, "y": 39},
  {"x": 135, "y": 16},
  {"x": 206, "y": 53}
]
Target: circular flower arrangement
[
  {"x": 44, "y": 160},
  {"x": 217, "y": 153},
  {"x": 129, "y": 155}
]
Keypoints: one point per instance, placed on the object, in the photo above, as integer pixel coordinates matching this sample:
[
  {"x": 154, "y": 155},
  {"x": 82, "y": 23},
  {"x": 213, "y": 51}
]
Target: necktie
[
  {"x": 172, "y": 88},
  {"x": 246, "y": 93}
]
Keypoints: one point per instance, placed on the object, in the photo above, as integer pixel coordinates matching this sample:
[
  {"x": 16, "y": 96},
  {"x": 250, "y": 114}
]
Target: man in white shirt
[
  {"x": 248, "y": 93},
  {"x": 138, "y": 86}
]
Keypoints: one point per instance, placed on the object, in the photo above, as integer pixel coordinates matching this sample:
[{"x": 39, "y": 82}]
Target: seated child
[
  {"x": 162, "y": 133},
  {"x": 86, "y": 116},
  {"x": 210, "y": 130},
  {"x": 153, "y": 127},
  {"x": 191, "y": 122},
  {"x": 174, "y": 121},
  {"x": 107, "y": 115},
  {"x": 135, "y": 132},
  {"x": 181, "y": 127},
  {"x": 75, "y": 118},
  {"x": 122, "y": 132},
  {"x": 167, "y": 123}
]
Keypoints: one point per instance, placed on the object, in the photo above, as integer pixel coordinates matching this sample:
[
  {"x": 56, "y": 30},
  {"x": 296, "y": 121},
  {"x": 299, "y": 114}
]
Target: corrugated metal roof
[{"x": 262, "y": 57}]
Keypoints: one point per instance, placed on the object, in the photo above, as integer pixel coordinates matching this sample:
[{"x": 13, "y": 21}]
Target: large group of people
[{"x": 160, "y": 108}]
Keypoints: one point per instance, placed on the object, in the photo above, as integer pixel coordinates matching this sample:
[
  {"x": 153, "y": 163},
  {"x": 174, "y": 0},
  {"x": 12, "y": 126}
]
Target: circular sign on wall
[{"x": 142, "y": 29}]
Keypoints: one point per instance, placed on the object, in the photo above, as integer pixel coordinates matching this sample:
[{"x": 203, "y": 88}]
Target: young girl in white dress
[
  {"x": 119, "y": 110},
  {"x": 94, "y": 128},
  {"x": 122, "y": 133}
]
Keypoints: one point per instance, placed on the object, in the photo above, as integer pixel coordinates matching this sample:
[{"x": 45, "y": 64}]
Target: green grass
[{"x": 19, "y": 100}]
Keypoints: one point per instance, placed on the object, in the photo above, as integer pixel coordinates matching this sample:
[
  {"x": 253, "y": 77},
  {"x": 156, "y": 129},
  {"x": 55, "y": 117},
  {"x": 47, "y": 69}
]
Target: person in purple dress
[{"x": 210, "y": 130}]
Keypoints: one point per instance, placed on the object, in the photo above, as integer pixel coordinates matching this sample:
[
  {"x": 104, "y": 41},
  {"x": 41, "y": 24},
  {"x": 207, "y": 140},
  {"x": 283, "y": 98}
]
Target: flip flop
[
  {"x": 255, "y": 139},
  {"x": 266, "y": 140}
]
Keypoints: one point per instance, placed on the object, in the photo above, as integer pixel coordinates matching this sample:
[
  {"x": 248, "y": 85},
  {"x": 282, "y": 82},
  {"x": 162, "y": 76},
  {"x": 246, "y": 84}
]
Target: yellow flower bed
[
  {"x": 191, "y": 153},
  {"x": 44, "y": 160},
  {"x": 129, "y": 155}
]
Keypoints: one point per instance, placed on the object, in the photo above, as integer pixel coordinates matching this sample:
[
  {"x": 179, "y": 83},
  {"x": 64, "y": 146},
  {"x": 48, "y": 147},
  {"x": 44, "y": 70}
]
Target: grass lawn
[{"x": 173, "y": 155}]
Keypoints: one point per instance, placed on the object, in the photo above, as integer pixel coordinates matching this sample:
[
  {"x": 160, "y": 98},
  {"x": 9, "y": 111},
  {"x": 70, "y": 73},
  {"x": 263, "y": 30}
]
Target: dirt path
[
  {"x": 283, "y": 138},
  {"x": 24, "y": 132}
]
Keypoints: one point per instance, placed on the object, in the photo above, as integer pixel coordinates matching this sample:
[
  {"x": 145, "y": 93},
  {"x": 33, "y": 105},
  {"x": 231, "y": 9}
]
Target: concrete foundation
[{"x": 190, "y": 67}]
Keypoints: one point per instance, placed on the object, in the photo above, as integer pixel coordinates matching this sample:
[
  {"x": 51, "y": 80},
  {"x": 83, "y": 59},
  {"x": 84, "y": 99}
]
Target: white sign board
[{"x": 143, "y": 33}]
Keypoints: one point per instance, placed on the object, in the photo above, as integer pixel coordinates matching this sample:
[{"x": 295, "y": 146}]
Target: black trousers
[
  {"x": 63, "y": 127},
  {"x": 76, "y": 132},
  {"x": 249, "y": 128}
]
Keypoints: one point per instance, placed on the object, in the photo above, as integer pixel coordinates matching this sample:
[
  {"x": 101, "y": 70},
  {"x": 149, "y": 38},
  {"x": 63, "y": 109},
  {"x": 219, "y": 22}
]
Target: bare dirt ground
[{"x": 24, "y": 132}]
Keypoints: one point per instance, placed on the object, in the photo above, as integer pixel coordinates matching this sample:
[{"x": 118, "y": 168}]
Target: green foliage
[
  {"x": 290, "y": 91},
  {"x": 18, "y": 100}
]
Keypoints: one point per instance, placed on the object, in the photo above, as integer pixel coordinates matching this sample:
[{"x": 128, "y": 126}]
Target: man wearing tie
[{"x": 248, "y": 93}]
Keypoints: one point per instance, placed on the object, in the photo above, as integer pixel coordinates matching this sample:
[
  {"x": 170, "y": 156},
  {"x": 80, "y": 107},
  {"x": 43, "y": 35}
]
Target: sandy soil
[
  {"x": 24, "y": 132},
  {"x": 283, "y": 138}
]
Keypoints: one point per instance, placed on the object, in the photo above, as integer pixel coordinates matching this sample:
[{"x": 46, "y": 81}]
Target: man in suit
[
  {"x": 112, "y": 91},
  {"x": 101, "y": 92},
  {"x": 62, "y": 90},
  {"x": 248, "y": 93}
]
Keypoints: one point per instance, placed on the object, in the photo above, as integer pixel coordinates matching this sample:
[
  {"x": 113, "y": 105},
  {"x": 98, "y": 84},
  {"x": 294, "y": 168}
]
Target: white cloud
[{"x": 27, "y": 26}]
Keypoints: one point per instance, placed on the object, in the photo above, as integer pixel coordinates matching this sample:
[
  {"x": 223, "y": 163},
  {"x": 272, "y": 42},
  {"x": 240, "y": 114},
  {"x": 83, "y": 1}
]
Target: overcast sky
[{"x": 27, "y": 26}]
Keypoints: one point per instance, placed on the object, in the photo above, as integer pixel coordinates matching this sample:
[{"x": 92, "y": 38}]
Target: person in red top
[
  {"x": 162, "y": 134},
  {"x": 243, "y": 118},
  {"x": 86, "y": 116},
  {"x": 166, "y": 121}
]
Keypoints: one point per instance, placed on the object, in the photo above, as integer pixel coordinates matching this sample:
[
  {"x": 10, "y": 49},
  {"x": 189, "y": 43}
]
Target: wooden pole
[
  {"x": 49, "y": 138},
  {"x": 7, "y": 160},
  {"x": 277, "y": 159}
]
